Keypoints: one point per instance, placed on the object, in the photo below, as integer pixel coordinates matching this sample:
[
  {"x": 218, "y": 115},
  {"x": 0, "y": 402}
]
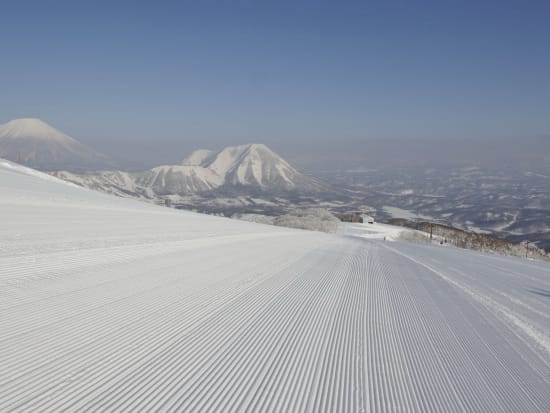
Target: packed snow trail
[{"x": 112, "y": 305}]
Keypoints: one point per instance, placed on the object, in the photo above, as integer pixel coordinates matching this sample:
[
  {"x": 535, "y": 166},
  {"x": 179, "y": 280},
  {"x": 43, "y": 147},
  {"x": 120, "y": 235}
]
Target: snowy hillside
[
  {"x": 113, "y": 305},
  {"x": 259, "y": 166},
  {"x": 35, "y": 143},
  {"x": 179, "y": 179},
  {"x": 197, "y": 157},
  {"x": 252, "y": 168}
]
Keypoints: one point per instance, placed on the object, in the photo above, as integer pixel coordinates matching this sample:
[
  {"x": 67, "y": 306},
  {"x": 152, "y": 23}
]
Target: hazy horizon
[{"x": 375, "y": 153}]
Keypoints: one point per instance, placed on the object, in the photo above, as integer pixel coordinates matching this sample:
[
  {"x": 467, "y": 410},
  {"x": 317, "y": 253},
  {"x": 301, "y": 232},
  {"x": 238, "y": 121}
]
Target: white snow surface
[
  {"x": 112, "y": 305},
  {"x": 197, "y": 157},
  {"x": 372, "y": 231}
]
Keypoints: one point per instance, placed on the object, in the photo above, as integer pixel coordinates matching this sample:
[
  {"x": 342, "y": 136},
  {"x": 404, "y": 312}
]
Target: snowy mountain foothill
[{"x": 112, "y": 305}]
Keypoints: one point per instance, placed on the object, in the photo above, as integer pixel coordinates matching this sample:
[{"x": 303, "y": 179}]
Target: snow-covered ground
[
  {"x": 108, "y": 304},
  {"x": 373, "y": 231}
]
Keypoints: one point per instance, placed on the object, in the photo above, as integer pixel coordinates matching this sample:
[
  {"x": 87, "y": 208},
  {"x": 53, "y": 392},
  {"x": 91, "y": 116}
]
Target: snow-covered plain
[{"x": 108, "y": 304}]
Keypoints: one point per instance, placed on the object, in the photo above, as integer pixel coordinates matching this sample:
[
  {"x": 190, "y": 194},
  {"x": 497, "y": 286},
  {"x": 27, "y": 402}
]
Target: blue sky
[{"x": 223, "y": 72}]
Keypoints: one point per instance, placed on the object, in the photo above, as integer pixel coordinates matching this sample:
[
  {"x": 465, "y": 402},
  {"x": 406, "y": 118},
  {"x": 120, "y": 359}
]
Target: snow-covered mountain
[
  {"x": 35, "y": 143},
  {"x": 252, "y": 165},
  {"x": 252, "y": 168}
]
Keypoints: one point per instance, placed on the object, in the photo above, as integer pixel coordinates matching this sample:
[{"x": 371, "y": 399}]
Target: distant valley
[{"x": 507, "y": 203}]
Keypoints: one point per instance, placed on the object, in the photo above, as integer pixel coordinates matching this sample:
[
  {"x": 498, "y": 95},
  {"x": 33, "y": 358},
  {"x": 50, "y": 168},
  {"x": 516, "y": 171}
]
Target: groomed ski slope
[{"x": 111, "y": 305}]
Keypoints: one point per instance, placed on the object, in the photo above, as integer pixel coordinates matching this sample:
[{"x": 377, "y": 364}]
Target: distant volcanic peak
[
  {"x": 32, "y": 128},
  {"x": 36, "y": 144}
]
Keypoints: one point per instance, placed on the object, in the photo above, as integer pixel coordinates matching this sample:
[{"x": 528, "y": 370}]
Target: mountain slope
[
  {"x": 35, "y": 143},
  {"x": 108, "y": 304},
  {"x": 257, "y": 165},
  {"x": 197, "y": 157},
  {"x": 179, "y": 179}
]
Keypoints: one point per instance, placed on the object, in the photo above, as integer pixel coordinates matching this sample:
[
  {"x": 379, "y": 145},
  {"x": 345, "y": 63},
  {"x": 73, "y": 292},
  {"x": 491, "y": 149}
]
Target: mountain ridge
[{"x": 236, "y": 169}]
